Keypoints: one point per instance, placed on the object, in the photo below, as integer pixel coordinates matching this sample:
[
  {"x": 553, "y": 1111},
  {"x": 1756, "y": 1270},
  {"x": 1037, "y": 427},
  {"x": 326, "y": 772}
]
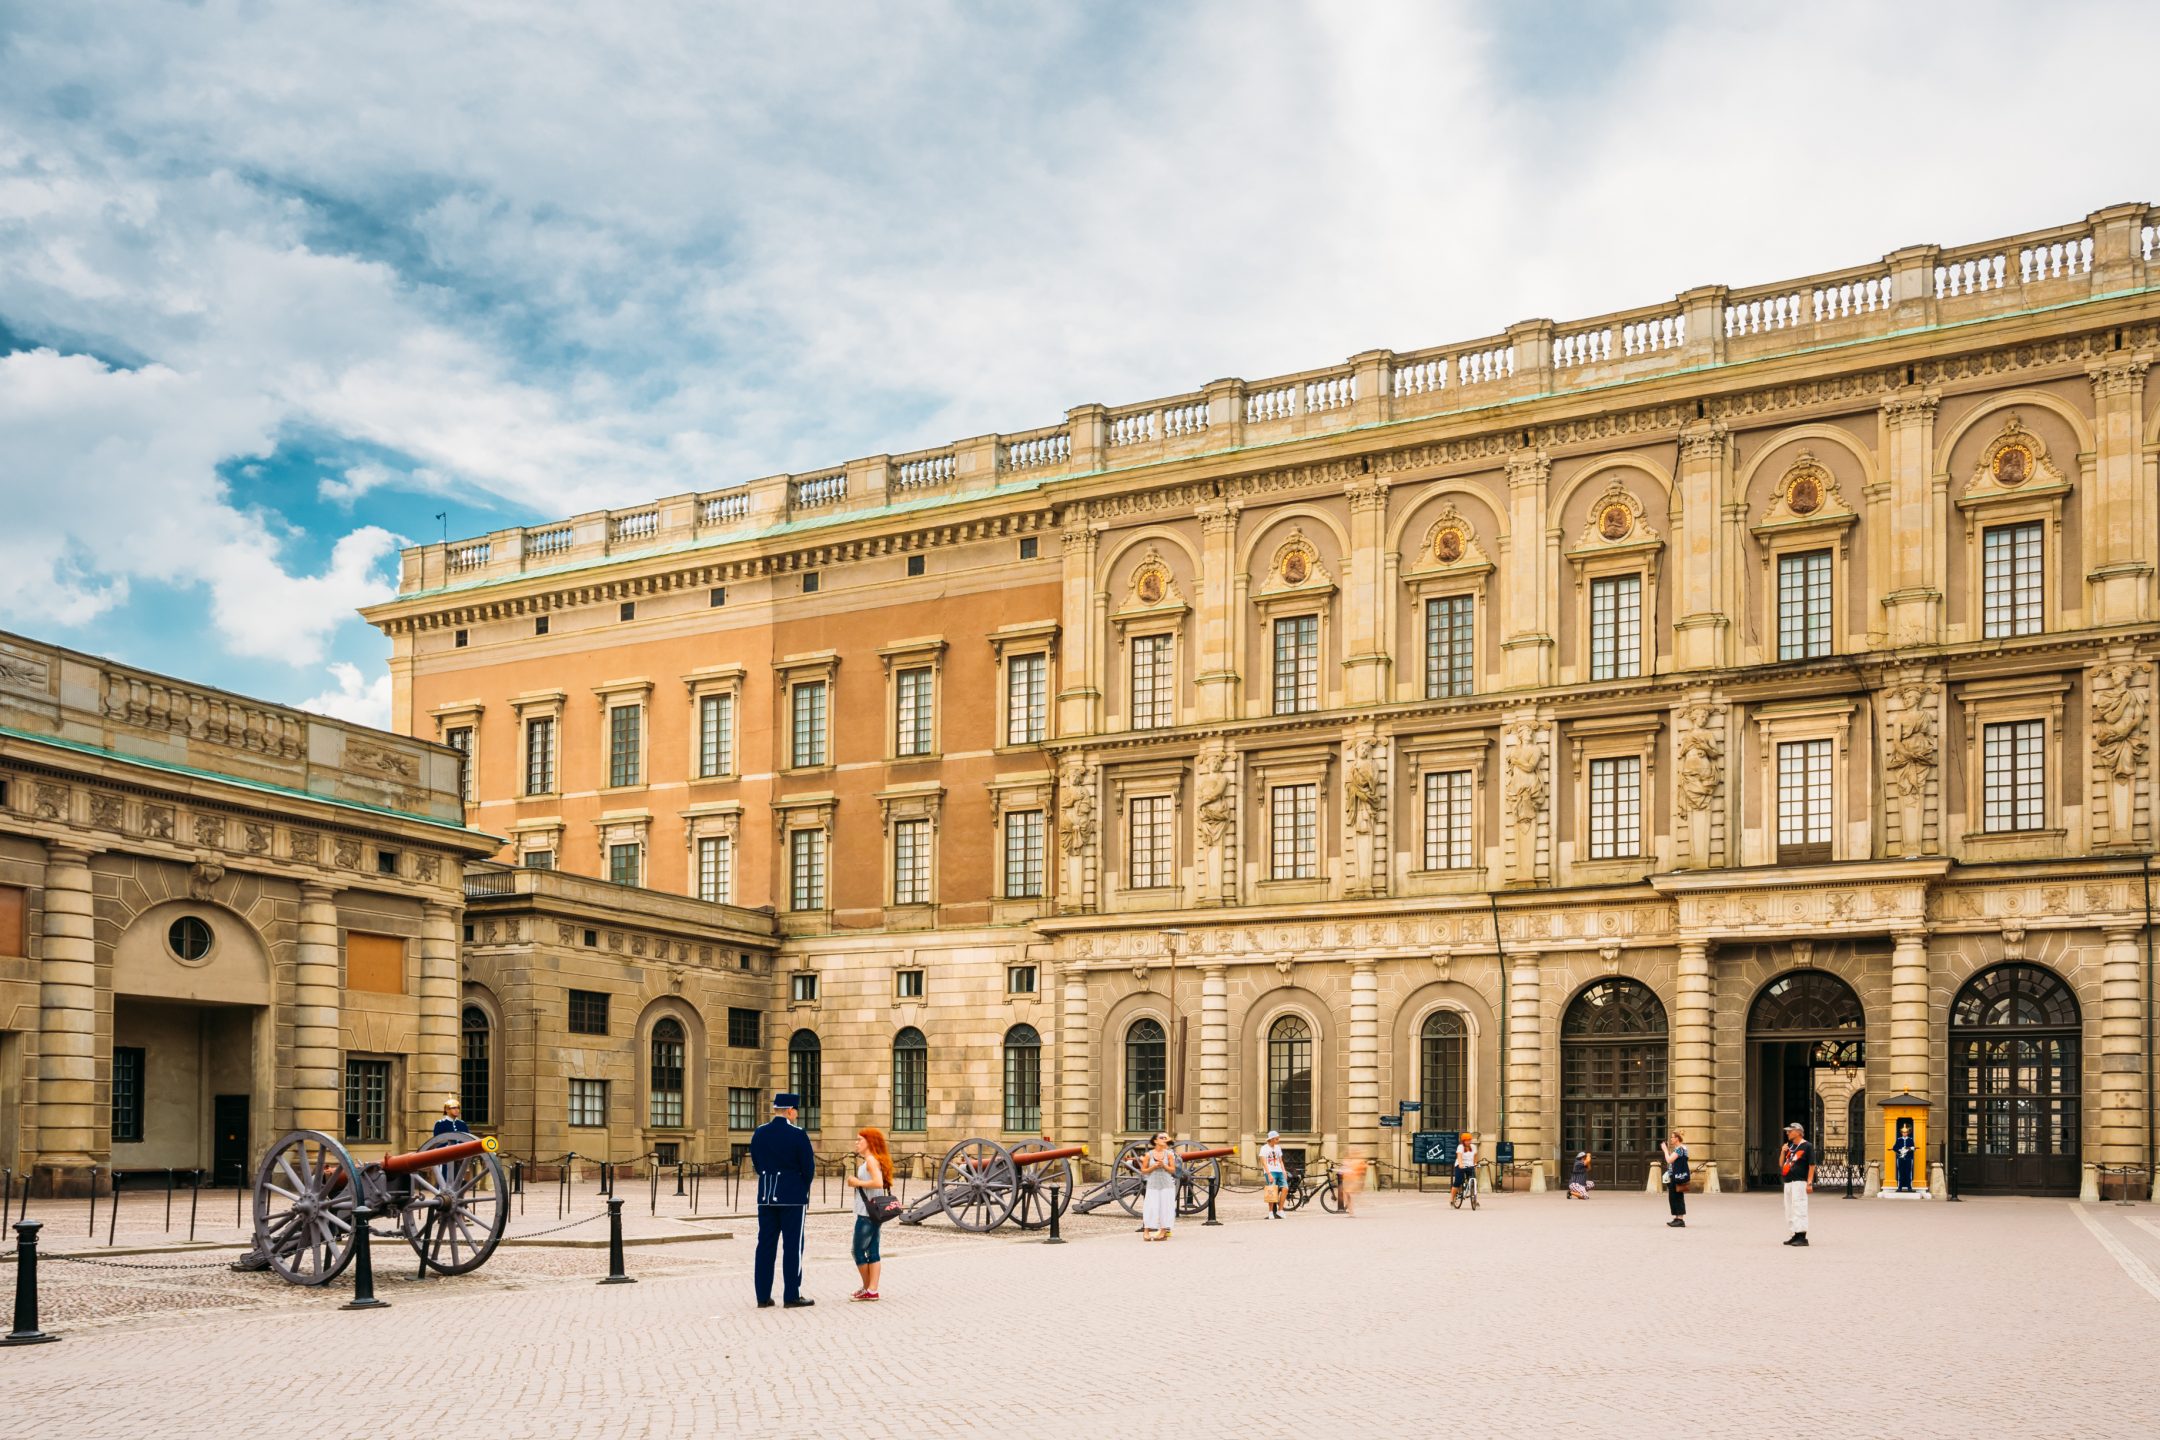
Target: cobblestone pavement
[{"x": 1902, "y": 1319}]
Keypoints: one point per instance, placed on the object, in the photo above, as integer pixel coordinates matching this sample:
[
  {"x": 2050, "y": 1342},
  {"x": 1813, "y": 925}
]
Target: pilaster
[
  {"x": 1526, "y": 658},
  {"x": 2118, "y": 498},
  {"x": 1217, "y": 683},
  {"x": 316, "y": 1101},
  {"x": 1214, "y": 1116},
  {"x": 67, "y": 1120},
  {"x": 1693, "y": 1096},
  {"x": 1075, "y": 1098},
  {"x": 1913, "y": 596},
  {"x": 1363, "y": 1120},
  {"x": 1366, "y": 662},
  {"x": 1080, "y": 636},
  {"x": 1909, "y": 1013},
  {"x": 1525, "y": 1067},
  {"x": 436, "y": 1055},
  {"x": 2122, "y": 1060},
  {"x": 1704, "y": 626}
]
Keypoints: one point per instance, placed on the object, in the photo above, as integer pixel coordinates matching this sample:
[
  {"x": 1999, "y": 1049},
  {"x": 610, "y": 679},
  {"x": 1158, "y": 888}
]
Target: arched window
[
  {"x": 2015, "y": 1111},
  {"x": 1612, "y": 1079},
  {"x": 1289, "y": 1064},
  {"x": 910, "y": 1080},
  {"x": 1146, "y": 1068},
  {"x": 666, "y": 1075},
  {"x": 1443, "y": 1072},
  {"x": 805, "y": 1074},
  {"x": 1023, "y": 1079},
  {"x": 474, "y": 1078}
]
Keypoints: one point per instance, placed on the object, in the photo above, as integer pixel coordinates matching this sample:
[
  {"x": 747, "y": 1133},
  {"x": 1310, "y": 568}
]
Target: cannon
[
  {"x": 450, "y": 1200},
  {"x": 1199, "y": 1175},
  {"x": 981, "y": 1184}
]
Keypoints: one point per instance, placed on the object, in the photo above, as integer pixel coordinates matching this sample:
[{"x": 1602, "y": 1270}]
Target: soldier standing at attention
[
  {"x": 453, "y": 1119},
  {"x": 785, "y": 1164}
]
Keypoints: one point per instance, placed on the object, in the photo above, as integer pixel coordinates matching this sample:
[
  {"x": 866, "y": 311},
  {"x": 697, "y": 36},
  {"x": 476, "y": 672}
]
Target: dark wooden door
[{"x": 229, "y": 1140}]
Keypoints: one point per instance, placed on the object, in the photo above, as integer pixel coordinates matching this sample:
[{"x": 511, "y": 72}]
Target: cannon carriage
[
  {"x": 981, "y": 1184},
  {"x": 450, "y": 1200},
  {"x": 1198, "y": 1175}
]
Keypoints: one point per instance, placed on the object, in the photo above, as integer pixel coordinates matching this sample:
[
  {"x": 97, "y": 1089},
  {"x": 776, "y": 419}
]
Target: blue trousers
[{"x": 779, "y": 1229}]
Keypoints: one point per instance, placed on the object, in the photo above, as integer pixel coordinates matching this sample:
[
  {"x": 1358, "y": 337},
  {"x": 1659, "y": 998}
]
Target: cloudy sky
[{"x": 280, "y": 283}]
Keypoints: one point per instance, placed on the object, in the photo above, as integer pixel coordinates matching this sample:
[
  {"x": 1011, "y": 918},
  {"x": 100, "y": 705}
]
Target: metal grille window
[
  {"x": 367, "y": 1100},
  {"x": 1450, "y": 630},
  {"x": 1152, "y": 676},
  {"x": 807, "y": 742},
  {"x": 743, "y": 1029},
  {"x": 806, "y": 870},
  {"x": 716, "y": 869},
  {"x": 910, "y": 1081},
  {"x": 911, "y": 863},
  {"x": 1023, "y": 854},
  {"x": 127, "y": 1094},
  {"x": 1023, "y": 1079},
  {"x": 626, "y": 724},
  {"x": 1616, "y": 808},
  {"x": 475, "y": 1078},
  {"x": 1616, "y": 627},
  {"x": 913, "y": 698},
  {"x": 1289, "y": 1062},
  {"x": 2013, "y": 776},
  {"x": 1803, "y": 605},
  {"x": 588, "y": 1012},
  {"x": 666, "y": 1075},
  {"x": 1297, "y": 664},
  {"x": 2011, "y": 577},
  {"x": 1447, "y": 820},
  {"x": 622, "y": 864},
  {"x": 806, "y": 1076},
  {"x": 460, "y": 740},
  {"x": 1443, "y": 1071},
  {"x": 1027, "y": 699},
  {"x": 1148, "y": 842},
  {"x": 742, "y": 1107},
  {"x": 1293, "y": 832},
  {"x": 1803, "y": 797},
  {"x": 540, "y": 757},
  {"x": 1146, "y": 1071},
  {"x": 588, "y": 1103},
  {"x": 716, "y": 735}
]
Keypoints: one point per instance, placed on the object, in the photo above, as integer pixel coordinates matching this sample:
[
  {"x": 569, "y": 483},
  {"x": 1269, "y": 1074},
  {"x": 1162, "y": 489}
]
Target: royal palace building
[{"x": 1718, "y": 713}]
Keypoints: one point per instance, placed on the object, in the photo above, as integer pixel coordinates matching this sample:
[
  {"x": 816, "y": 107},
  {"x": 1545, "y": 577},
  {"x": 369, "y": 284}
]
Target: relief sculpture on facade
[
  {"x": 2121, "y": 698},
  {"x": 1362, "y": 815},
  {"x": 1214, "y": 811},
  {"x": 1524, "y": 793},
  {"x": 1910, "y": 747}
]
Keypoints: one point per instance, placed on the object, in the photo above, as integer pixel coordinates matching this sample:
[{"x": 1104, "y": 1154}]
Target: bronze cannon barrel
[
  {"x": 440, "y": 1155},
  {"x": 1044, "y": 1157},
  {"x": 1219, "y": 1152}
]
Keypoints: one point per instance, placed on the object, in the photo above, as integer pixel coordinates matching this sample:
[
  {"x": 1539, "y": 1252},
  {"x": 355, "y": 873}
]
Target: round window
[{"x": 189, "y": 938}]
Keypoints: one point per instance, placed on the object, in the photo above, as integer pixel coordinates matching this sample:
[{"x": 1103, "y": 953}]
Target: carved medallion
[
  {"x": 1151, "y": 584},
  {"x": 1805, "y": 497},
  {"x": 1449, "y": 545},
  {"x": 2013, "y": 465},
  {"x": 1296, "y": 568},
  {"x": 1614, "y": 522}
]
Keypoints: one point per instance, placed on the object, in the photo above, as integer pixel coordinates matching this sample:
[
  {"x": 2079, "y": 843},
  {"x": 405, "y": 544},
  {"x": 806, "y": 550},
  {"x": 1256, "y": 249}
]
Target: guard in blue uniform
[
  {"x": 453, "y": 1120},
  {"x": 1903, "y": 1150},
  {"x": 785, "y": 1164}
]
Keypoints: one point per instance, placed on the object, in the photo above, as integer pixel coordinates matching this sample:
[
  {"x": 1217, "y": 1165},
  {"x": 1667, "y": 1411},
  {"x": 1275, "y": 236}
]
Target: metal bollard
[
  {"x": 652, "y": 1186},
  {"x": 615, "y": 1275},
  {"x": 1055, "y": 1237},
  {"x": 194, "y": 1195},
  {"x": 112, "y": 1227},
  {"x": 517, "y": 1178},
  {"x": 168, "y": 1198},
  {"x": 93, "y": 1199},
  {"x": 1214, "y": 1183},
  {"x": 363, "y": 1286},
  {"x": 26, "y": 1330},
  {"x": 1848, "y": 1175},
  {"x": 678, "y": 1179}
]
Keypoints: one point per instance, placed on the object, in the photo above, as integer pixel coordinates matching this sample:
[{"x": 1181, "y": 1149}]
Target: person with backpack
[
  {"x": 1677, "y": 1175},
  {"x": 873, "y": 1175}
]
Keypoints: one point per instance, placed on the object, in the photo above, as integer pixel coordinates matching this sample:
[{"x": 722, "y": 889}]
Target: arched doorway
[
  {"x": 1444, "y": 1072},
  {"x": 1806, "y": 1051},
  {"x": 1612, "y": 1080},
  {"x": 2014, "y": 1101}
]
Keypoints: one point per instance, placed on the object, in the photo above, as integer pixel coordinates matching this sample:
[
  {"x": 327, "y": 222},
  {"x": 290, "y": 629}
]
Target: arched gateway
[
  {"x": 2014, "y": 1102},
  {"x": 1612, "y": 1080},
  {"x": 1805, "y": 1056}
]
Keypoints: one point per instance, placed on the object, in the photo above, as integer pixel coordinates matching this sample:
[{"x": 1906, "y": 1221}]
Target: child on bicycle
[{"x": 1465, "y": 1167}]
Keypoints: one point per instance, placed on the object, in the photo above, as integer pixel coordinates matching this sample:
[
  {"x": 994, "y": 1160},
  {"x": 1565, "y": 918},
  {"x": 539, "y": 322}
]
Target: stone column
[
  {"x": 1693, "y": 1095},
  {"x": 1700, "y": 571},
  {"x": 1909, "y": 1016},
  {"x": 1364, "y": 611},
  {"x": 435, "y": 1060},
  {"x": 1913, "y": 598},
  {"x": 2122, "y": 1061},
  {"x": 1075, "y": 1083},
  {"x": 2119, "y": 500},
  {"x": 1216, "y": 684},
  {"x": 1362, "y": 1120},
  {"x": 1080, "y": 634},
  {"x": 1214, "y": 1112},
  {"x": 1525, "y": 1069},
  {"x": 67, "y": 1118},
  {"x": 1526, "y": 649},
  {"x": 316, "y": 1101}
]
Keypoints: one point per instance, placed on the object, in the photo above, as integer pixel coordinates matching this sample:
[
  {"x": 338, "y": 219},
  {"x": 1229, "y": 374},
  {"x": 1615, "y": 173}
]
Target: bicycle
[
  {"x": 1302, "y": 1189},
  {"x": 1468, "y": 1191}
]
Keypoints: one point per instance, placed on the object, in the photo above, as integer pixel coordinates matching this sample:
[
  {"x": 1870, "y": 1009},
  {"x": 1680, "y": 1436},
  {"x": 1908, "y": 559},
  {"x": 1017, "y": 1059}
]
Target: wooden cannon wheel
[
  {"x": 979, "y": 1184},
  {"x": 305, "y": 1191},
  {"x": 458, "y": 1211},
  {"x": 1195, "y": 1178},
  {"x": 1031, "y": 1209}
]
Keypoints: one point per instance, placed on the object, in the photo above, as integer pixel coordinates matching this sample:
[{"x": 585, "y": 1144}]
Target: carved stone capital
[
  {"x": 1703, "y": 440},
  {"x": 2118, "y": 376},
  {"x": 1910, "y": 407}
]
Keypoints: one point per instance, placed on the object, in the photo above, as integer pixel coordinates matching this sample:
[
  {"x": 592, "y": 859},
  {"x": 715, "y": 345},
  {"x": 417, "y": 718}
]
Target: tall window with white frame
[
  {"x": 459, "y": 738},
  {"x": 1027, "y": 699},
  {"x": 806, "y": 745},
  {"x": 2013, "y": 776},
  {"x": 625, "y": 726},
  {"x": 1615, "y": 627},
  {"x": 1148, "y": 842},
  {"x": 1450, "y": 646},
  {"x": 1616, "y": 808},
  {"x": 1447, "y": 820},
  {"x": 1803, "y": 598},
  {"x": 540, "y": 755},
  {"x": 716, "y": 735},
  {"x": 806, "y": 869},
  {"x": 716, "y": 869},
  {"x": 1803, "y": 792},
  {"x": 2011, "y": 579},
  {"x": 1153, "y": 675},
  {"x": 1023, "y": 854},
  {"x": 1297, "y": 664},
  {"x": 623, "y": 862},
  {"x": 911, "y": 862},
  {"x": 1293, "y": 832},
  {"x": 912, "y": 701}
]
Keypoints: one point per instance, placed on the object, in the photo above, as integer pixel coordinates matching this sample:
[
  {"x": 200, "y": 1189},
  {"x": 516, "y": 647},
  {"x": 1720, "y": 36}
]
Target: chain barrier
[{"x": 223, "y": 1263}]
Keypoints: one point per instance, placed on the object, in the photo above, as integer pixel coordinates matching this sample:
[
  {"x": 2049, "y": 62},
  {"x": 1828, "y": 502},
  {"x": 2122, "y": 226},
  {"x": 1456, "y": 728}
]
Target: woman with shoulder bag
[
  {"x": 1677, "y": 1175},
  {"x": 874, "y": 1175}
]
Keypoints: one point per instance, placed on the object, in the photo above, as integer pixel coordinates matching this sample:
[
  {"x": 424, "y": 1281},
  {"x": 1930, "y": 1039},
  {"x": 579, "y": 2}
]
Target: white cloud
[{"x": 354, "y": 697}]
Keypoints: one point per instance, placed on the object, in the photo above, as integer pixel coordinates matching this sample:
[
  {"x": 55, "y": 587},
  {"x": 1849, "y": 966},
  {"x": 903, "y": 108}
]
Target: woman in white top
[
  {"x": 1276, "y": 1174},
  {"x": 874, "y": 1173},
  {"x": 1158, "y": 1207},
  {"x": 1465, "y": 1166}
]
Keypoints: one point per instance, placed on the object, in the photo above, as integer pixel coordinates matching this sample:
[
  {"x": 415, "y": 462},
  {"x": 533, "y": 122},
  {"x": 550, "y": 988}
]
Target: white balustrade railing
[
  {"x": 820, "y": 490},
  {"x": 1762, "y": 314},
  {"x": 1647, "y": 337},
  {"x": 1848, "y": 298},
  {"x": 2057, "y": 261},
  {"x": 1186, "y": 419},
  {"x": 1975, "y": 276},
  {"x": 470, "y": 557},
  {"x": 1476, "y": 367},
  {"x": 1584, "y": 348},
  {"x": 1279, "y": 403},
  {"x": 1336, "y": 393},
  {"x": 1040, "y": 450},
  {"x": 718, "y": 510},
  {"x": 1421, "y": 377},
  {"x": 928, "y": 470},
  {"x": 551, "y": 541},
  {"x": 1135, "y": 429},
  {"x": 640, "y": 525},
  {"x": 2148, "y": 242}
]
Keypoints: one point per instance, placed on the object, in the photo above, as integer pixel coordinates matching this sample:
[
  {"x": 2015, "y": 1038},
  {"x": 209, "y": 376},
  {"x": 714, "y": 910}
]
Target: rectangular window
[
  {"x": 806, "y": 870},
  {"x": 1450, "y": 651},
  {"x": 911, "y": 863},
  {"x": 912, "y": 700},
  {"x": 476, "y": 1077},
  {"x": 460, "y": 740},
  {"x": 538, "y": 859},
  {"x": 2013, "y": 776},
  {"x": 1297, "y": 664},
  {"x": 367, "y": 1101},
  {"x": 807, "y": 745},
  {"x": 1803, "y": 605},
  {"x": 622, "y": 864},
  {"x": 1803, "y": 797},
  {"x": 1020, "y": 979},
  {"x": 1293, "y": 832},
  {"x": 744, "y": 1029},
  {"x": 1027, "y": 699},
  {"x": 664, "y": 1082},
  {"x": 908, "y": 984},
  {"x": 1149, "y": 841},
  {"x": 540, "y": 757},
  {"x": 2011, "y": 575},
  {"x": 716, "y": 735},
  {"x": 1153, "y": 671},
  {"x": 1447, "y": 820},
  {"x": 588, "y": 1012},
  {"x": 588, "y": 1103},
  {"x": 742, "y": 1108},
  {"x": 802, "y": 988},
  {"x": 624, "y": 724},
  {"x": 1616, "y": 627},
  {"x": 716, "y": 869},
  {"x": 1616, "y": 808},
  {"x": 127, "y": 1094},
  {"x": 1024, "y": 855}
]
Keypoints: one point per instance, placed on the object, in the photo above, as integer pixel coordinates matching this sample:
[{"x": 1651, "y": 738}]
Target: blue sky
[{"x": 280, "y": 283}]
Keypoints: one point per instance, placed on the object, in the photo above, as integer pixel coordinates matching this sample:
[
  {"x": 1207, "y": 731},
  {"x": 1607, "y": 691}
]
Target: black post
[
  {"x": 93, "y": 1199},
  {"x": 1948, "y": 1184},
  {"x": 168, "y": 1198},
  {"x": 652, "y": 1186},
  {"x": 26, "y": 1330},
  {"x": 1055, "y": 1209},
  {"x": 7, "y": 1193},
  {"x": 678, "y": 1179},
  {"x": 615, "y": 1275},
  {"x": 1214, "y": 1183},
  {"x": 363, "y": 1285},
  {"x": 112, "y": 1226},
  {"x": 1848, "y": 1172},
  {"x": 517, "y": 1178},
  {"x": 194, "y": 1194},
  {"x": 238, "y": 1186}
]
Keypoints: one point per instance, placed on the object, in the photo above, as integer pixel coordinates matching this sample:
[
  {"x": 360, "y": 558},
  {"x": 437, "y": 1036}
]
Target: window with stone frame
[
  {"x": 1450, "y": 646},
  {"x": 716, "y": 869},
  {"x": 1023, "y": 1081},
  {"x": 540, "y": 755},
  {"x": 460, "y": 739},
  {"x": 626, "y": 727},
  {"x": 742, "y": 1107},
  {"x": 1293, "y": 832},
  {"x": 1147, "y": 1072},
  {"x": 807, "y": 738},
  {"x": 1449, "y": 820},
  {"x": 476, "y": 1076},
  {"x": 367, "y": 1100},
  {"x": 1296, "y": 664},
  {"x": 1616, "y": 808},
  {"x": 588, "y": 1012},
  {"x": 128, "y": 1072},
  {"x": 2013, "y": 577},
  {"x": 588, "y": 1104},
  {"x": 2013, "y": 769},
  {"x": 745, "y": 1028},
  {"x": 665, "y": 1086},
  {"x": 1027, "y": 698},
  {"x": 1616, "y": 626},
  {"x": 626, "y": 863},
  {"x": 537, "y": 859},
  {"x": 1024, "y": 852},
  {"x": 1154, "y": 677},
  {"x": 914, "y": 695},
  {"x": 716, "y": 735},
  {"x": 911, "y": 1081},
  {"x": 806, "y": 869},
  {"x": 1150, "y": 841},
  {"x": 911, "y": 862},
  {"x": 1804, "y": 605},
  {"x": 1804, "y": 811}
]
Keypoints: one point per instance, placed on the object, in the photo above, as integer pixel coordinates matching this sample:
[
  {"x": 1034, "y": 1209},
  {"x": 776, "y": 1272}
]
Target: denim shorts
[{"x": 866, "y": 1238}]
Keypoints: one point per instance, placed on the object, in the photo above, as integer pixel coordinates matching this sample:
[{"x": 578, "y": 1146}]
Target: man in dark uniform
[
  {"x": 785, "y": 1164},
  {"x": 1903, "y": 1150},
  {"x": 453, "y": 1119}
]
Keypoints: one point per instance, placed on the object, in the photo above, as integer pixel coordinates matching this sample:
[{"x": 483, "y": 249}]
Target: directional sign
[
  {"x": 1410, "y": 1107},
  {"x": 1394, "y": 1120}
]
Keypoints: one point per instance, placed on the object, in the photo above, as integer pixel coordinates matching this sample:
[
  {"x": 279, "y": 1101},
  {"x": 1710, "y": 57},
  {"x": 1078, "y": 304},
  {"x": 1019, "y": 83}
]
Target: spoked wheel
[
  {"x": 979, "y": 1184},
  {"x": 1331, "y": 1195},
  {"x": 459, "y": 1209},
  {"x": 1128, "y": 1167},
  {"x": 1195, "y": 1180},
  {"x": 1031, "y": 1210},
  {"x": 305, "y": 1191}
]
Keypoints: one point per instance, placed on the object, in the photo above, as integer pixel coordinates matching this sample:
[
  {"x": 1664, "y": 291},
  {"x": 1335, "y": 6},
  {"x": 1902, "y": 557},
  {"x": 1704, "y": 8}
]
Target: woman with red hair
[{"x": 875, "y": 1172}]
